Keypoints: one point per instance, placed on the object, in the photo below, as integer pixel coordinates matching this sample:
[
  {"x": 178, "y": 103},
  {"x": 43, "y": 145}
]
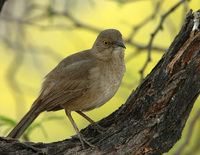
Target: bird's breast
[{"x": 105, "y": 80}]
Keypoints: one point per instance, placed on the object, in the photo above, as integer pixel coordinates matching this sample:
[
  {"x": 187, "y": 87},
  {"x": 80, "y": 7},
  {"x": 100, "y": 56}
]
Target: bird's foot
[
  {"x": 85, "y": 142},
  {"x": 8, "y": 139},
  {"x": 99, "y": 128}
]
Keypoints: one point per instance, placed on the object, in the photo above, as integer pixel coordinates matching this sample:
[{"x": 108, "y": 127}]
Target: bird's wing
[{"x": 64, "y": 83}]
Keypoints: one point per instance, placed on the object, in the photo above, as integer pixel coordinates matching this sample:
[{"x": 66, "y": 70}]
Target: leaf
[{"x": 4, "y": 120}]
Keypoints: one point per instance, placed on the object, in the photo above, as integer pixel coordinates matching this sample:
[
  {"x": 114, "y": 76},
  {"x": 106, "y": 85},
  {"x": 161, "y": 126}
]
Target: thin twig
[
  {"x": 2, "y": 2},
  {"x": 189, "y": 134},
  {"x": 145, "y": 21},
  {"x": 159, "y": 27}
]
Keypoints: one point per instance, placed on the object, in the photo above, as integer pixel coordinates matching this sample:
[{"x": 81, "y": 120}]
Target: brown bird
[{"x": 80, "y": 82}]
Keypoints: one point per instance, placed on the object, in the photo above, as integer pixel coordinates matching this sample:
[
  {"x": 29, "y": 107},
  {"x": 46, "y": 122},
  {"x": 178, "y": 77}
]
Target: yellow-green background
[{"x": 43, "y": 48}]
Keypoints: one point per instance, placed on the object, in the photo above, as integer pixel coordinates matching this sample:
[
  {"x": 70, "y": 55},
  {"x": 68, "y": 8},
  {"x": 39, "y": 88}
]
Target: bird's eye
[{"x": 105, "y": 43}]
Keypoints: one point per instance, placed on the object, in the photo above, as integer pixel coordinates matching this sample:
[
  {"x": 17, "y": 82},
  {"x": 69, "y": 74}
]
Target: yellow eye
[{"x": 105, "y": 43}]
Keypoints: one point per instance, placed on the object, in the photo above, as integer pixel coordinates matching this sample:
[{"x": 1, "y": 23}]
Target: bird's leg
[
  {"x": 97, "y": 127},
  {"x": 82, "y": 139}
]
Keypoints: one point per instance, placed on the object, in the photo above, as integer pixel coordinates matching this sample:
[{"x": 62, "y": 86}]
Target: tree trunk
[{"x": 153, "y": 117}]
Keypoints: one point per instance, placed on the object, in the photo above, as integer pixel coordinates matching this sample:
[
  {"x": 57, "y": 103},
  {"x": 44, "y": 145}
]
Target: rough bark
[{"x": 153, "y": 117}]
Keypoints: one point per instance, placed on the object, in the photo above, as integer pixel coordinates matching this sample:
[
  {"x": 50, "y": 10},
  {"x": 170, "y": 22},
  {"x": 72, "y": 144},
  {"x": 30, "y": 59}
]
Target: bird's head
[{"x": 109, "y": 44}]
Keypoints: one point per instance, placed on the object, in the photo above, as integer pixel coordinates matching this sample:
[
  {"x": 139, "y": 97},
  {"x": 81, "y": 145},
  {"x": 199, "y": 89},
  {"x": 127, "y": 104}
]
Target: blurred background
[{"x": 36, "y": 35}]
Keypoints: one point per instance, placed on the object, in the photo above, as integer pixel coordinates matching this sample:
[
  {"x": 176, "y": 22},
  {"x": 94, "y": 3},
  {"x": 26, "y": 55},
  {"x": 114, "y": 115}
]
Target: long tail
[{"x": 25, "y": 122}]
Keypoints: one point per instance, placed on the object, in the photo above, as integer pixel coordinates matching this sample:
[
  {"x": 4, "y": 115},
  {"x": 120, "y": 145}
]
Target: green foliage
[{"x": 9, "y": 123}]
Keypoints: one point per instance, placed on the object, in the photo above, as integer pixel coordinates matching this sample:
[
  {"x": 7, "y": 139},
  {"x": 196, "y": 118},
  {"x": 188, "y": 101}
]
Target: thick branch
[{"x": 153, "y": 117}]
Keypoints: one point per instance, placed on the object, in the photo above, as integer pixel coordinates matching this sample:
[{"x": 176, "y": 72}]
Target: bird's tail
[{"x": 25, "y": 122}]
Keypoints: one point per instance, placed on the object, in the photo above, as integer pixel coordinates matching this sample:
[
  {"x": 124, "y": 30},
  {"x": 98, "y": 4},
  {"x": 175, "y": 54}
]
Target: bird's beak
[{"x": 120, "y": 43}]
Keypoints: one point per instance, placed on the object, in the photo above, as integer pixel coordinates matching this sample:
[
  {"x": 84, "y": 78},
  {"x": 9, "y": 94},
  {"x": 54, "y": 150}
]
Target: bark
[{"x": 153, "y": 117}]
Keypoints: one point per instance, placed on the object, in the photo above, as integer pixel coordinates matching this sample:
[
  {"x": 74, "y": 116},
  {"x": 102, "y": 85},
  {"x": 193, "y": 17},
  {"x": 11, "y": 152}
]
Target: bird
[{"x": 80, "y": 82}]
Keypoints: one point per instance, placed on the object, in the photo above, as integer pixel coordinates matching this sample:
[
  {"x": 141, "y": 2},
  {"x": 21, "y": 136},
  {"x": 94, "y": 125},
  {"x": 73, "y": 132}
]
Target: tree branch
[
  {"x": 1, "y": 4},
  {"x": 189, "y": 134},
  {"x": 159, "y": 27}
]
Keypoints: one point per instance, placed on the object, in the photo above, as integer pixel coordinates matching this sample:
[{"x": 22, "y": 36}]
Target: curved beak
[{"x": 120, "y": 43}]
